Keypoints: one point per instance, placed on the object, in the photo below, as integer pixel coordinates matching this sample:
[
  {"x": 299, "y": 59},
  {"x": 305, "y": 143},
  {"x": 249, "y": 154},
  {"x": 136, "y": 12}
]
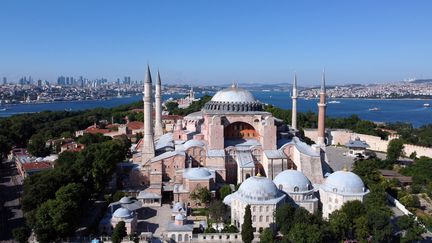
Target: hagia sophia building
[{"x": 233, "y": 140}]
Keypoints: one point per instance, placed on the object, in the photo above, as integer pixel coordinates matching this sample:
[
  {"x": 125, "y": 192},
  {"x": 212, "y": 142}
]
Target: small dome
[
  {"x": 197, "y": 173},
  {"x": 123, "y": 213},
  {"x": 234, "y": 94},
  {"x": 344, "y": 182},
  {"x": 180, "y": 217},
  {"x": 125, "y": 200},
  {"x": 178, "y": 207},
  {"x": 258, "y": 188},
  {"x": 292, "y": 181}
]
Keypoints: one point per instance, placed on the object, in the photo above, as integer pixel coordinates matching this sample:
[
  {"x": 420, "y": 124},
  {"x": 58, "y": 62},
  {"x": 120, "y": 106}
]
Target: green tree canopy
[
  {"x": 247, "y": 231},
  {"x": 217, "y": 210},
  {"x": 395, "y": 150},
  {"x": 119, "y": 232}
]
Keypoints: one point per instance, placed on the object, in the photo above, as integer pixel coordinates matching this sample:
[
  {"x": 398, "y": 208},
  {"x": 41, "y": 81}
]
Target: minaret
[
  {"x": 158, "y": 109},
  {"x": 148, "y": 152},
  {"x": 321, "y": 113},
  {"x": 294, "y": 105}
]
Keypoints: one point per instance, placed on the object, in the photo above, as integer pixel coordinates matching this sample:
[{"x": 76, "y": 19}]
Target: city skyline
[{"x": 217, "y": 43}]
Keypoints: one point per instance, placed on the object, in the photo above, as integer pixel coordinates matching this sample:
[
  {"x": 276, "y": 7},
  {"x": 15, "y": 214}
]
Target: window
[
  {"x": 280, "y": 187},
  {"x": 253, "y": 209},
  {"x": 254, "y": 218},
  {"x": 260, "y": 209},
  {"x": 267, "y": 208},
  {"x": 260, "y": 218},
  {"x": 267, "y": 218},
  {"x": 296, "y": 189}
]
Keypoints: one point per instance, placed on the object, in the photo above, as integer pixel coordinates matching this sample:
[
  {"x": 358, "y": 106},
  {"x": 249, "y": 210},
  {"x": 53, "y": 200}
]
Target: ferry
[
  {"x": 3, "y": 109},
  {"x": 374, "y": 109},
  {"x": 334, "y": 102},
  {"x": 426, "y": 105}
]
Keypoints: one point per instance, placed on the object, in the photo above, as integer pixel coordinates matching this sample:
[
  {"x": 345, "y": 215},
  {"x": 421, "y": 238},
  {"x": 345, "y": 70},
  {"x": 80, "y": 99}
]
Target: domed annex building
[{"x": 231, "y": 140}]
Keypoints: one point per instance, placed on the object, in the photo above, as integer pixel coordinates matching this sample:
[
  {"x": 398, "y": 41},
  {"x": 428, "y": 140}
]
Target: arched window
[
  {"x": 267, "y": 218},
  {"x": 253, "y": 209},
  {"x": 260, "y": 209},
  {"x": 180, "y": 237},
  {"x": 254, "y": 218},
  {"x": 186, "y": 237},
  {"x": 260, "y": 218},
  {"x": 296, "y": 189},
  {"x": 267, "y": 208},
  {"x": 173, "y": 236},
  {"x": 280, "y": 187}
]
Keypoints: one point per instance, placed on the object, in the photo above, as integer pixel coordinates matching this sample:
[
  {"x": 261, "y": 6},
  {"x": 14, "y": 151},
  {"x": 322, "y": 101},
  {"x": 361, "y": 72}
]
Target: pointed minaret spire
[
  {"x": 148, "y": 152},
  {"x": 322, "y": 113},
  {"x": 294, "y": 104},
  {"x": 158, "y": 108},
  {"x": 323, "y": 90}
]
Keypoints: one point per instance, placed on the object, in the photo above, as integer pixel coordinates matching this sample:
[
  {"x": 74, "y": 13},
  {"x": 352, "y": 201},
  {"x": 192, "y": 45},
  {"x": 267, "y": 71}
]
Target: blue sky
[{"x": 219, "y": 41}]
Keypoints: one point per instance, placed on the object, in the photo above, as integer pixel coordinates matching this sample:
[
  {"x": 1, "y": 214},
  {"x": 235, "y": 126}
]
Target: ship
[
  {"x": 426, "y": 105},
  {"x": 374, "y": 109},
  {"x": 334, "y": 102}
]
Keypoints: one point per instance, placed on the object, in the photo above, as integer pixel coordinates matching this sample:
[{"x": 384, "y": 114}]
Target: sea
[{"x": 378, "y": 110}]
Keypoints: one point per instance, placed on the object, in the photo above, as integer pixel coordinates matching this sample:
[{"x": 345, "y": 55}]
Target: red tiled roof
[
  {"x": 42, "y": 165},
  {"x": 95, "y": 130},
  {"x": 135, "y": 125},
  {"x": 171, "y": 117}
]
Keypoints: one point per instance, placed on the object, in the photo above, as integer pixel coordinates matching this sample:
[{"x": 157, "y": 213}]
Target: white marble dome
[
  {"x": 344, "y": 182},
  {"x": 258, "y": 188},
  {"x": 292, "y": 181},
  {"x": 123, "y": 213},
  {"x": 234, "y": 94}
]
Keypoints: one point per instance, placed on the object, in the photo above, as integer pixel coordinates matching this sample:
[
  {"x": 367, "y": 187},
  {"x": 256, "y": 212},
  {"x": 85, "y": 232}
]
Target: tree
[
  {"x": 395, "y": 150},
  {"x": 5, "y": 147},
  {"x": 361, "y": 228},
  {"x": 339, "y": 224},
  {"x": 305, "y": 233},
  {"x": 247, "y": 231},
  {"x": 379, "y": 224},
  {"x": 119, "y": 232},
  {"x": 267, "y": 236},
  {"x": 410, "y": 201},
  {"x": 413, "y": 230},
  {"x": 21, "y": 234},
  {"x": 37, "y": 146},
  {"x": 201, "y": 194},
  {"x": 217, "y": 210},
  {"x": 117, "y": 196},
  {"x": 224, "y": 191},
  {"x": 284, "y": 216}
]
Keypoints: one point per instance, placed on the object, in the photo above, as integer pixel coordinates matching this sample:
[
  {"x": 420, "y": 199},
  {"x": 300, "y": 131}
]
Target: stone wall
[{"x": 342, "y": 136}]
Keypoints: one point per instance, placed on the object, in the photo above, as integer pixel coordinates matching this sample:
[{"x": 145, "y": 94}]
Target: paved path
[
  {"x": 11, "y": 215},
  {"x": 154, "y": 219}
]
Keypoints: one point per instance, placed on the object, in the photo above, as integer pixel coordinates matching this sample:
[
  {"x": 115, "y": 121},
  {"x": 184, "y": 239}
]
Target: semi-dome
[
  {"x": 233, "y": 99},
  {"x": 234, "y": 94},
  {"x": 198, "y": 173},
  {"x": 123, "y": 213},
  {"x": 344, "y": 182},
  {"x": 292, "y": 181},
  {"x": 258, "y": 188}
]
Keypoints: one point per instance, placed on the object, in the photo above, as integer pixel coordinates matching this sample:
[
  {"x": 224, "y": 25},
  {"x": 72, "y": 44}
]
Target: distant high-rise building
[
  {"x": 127, "y": 80},
  {"x": 4, "y": 80},
  {"x": 39, "y": 83}
]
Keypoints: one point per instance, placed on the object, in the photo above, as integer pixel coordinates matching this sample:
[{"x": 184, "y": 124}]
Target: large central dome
[
  {"x": 234, "y": 94},
  {"x": 233, "y": 99}
]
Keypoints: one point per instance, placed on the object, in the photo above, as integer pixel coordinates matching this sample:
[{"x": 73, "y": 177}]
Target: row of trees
[{"x": 53, "y": 200}]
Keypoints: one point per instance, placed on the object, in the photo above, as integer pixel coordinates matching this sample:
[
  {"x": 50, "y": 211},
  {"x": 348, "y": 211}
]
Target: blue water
[{"x": 411, "y": 111}]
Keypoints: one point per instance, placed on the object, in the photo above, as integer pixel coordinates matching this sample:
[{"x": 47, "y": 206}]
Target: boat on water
[
  {"x": 3, "y": 109},
  {"x": 334, "y": 102},
  {"x": 374, "y": 109},
  {"x": 426, "y": 105}
]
